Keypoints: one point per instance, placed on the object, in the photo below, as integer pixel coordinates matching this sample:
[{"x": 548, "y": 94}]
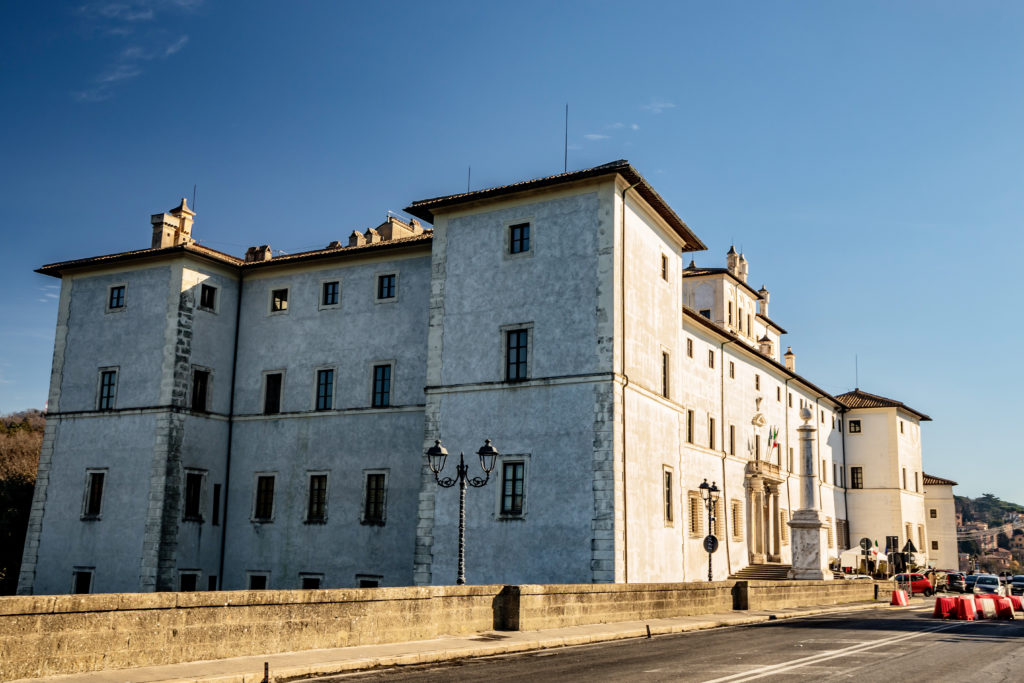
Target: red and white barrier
[
  {"x": 965, "y": 609},
  {"x": 1018, "y": 605},
  {"x": 1004, "y": 608},
  {"x": 899, "y": 598},
  {"x": 986, "y": 607}
]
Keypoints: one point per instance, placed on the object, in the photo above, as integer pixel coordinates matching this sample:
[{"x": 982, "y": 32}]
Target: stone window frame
[
  {"x": 696, "y": 511},
  {"x": 124, "y": 296},
  {"x": 736, "y": 519},
  {"x": 116, "y": 369},
  {"x": 198, "y": 573},
  {"x": 209, "y": 388},
  {"x": 215, "y": 309},
  {"x": 320, "y": 305},
  {"x": 90, "y": 472},
  {"x": 263, "y": 392},
  {"x": 75, "y": 571},
  {"x": 306, "y": 519},
  {"x": 251, "y": 573},
  {"x": 853, "y": 427},
  {"x": 316, "y": 388},
  {"x": 510, "y": 459},
  {"x": 363, "y": 519},
  {"x": 504, "y": 331},
  {"x": 201, "y": 502},
  {"x": 933, "y": 513},
  {"x": 255, "y": 497},
  {"x": 935, "y": 545},
  {"x": 319, "y": 576},
  {"x": 287, "y": 301},
  {"x": 732, "y": 370},
  {"x": 376, "y": 286},
  {"x": 668, "y": 502},
  {"x": 373, "y": 365},
  {"x": 506, "y": 249}
]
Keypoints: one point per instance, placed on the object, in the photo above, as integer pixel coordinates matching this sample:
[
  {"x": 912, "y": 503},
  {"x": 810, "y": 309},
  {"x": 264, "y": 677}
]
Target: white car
[{"x": 988, "y": 583}]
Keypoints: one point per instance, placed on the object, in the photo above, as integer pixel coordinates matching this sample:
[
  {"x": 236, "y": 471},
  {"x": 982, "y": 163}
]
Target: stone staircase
[{"x": 769, "y": 571}]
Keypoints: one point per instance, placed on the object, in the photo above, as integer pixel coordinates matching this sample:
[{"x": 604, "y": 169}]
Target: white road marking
[{"x": 773, "y": 669}]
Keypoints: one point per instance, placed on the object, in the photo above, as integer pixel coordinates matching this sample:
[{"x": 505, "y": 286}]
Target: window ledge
[
  {"x": 372, "y": 522},
  {"x": 509, "y": 517},
  {"x": 91, "y": 518},
  {"x": 319, "y": 521},
  {"x": 193, "y": 518},
  {"x": 261, "y": 521}
]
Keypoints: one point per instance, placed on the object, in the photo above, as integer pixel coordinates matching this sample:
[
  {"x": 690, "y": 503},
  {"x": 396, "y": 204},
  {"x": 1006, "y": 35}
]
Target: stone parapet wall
[
  {"x": 762, "y": 595},
  {"x": 554, "y": 606},
  {"x": 47, "y": 635}
]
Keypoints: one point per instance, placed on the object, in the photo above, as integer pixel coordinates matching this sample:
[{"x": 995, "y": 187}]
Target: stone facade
[{"x": 252, "y": 442}]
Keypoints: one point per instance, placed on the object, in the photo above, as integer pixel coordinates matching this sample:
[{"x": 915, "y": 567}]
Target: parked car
[
  {"x": 1017, "y": 585},
  {"x": 918, "y": 583},
  {"x": 956, "y": 581},
  {"x": 989, "y": 583},
  {"x": 969, "y": 582}
]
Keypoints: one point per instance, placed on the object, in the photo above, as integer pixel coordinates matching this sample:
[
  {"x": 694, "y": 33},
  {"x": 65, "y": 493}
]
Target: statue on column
[{"x": 810, "y": 538}]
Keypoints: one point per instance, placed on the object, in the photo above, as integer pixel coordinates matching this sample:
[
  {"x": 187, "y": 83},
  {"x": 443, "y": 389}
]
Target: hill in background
[{"x": 21, "y": 438}]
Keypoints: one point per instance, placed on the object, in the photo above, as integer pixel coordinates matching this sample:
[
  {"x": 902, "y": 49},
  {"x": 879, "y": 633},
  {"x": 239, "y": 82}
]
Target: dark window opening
[
  {"x": 386, "y": 286},
  {"x": 381, "y": 386},
  {"x": 310, "y": 582},
  {"x": 264, "y": 508},
  {"x": 189, "y": 583},
  {"x": 193, "y": 494},
  {"x": 329, "y": 296},
  {"x": 272, "y": 394},
  {"x": 519, "y": 238},
  {"x": 369, "y": 583},
  {"x": 665, "y": 374},
  {"x": 664, "y": 268},
  {"x": 257, "y": 582},
  {"x": 316, "y": 510},
  {"x": 324, "y": 389},
  {"x": 108, "y": 388},
  {"x": 512, "y": 480},
  {"x": 689, "y": 426},
  {"x": 854, "y": 426},
  {"x": 706, "y": 312},
  {"x": 278, "y": 300},
  {"x": 83, "y": 581},
  {"x": 516, "y": 355},
  {"x": 211, "y": 582},
  {"x": 856, "y": 477},
  {"x": 373, "y": 507},
  {"x": 116, "y": 297},
  {"x": 216, "y": 505},
  {"x": 668, "y": 496},
  {"x": 207, "y": 297},
  {"x": 94, "y": 497},
  {"x": 200, "y": 387}
]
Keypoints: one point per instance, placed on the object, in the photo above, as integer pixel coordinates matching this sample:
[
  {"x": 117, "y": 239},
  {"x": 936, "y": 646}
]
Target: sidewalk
[{"x": 310, "y": 663}]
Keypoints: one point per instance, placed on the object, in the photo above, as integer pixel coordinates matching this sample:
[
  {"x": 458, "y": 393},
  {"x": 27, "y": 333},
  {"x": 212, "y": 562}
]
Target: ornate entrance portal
[{"x": 762, "y": 489}]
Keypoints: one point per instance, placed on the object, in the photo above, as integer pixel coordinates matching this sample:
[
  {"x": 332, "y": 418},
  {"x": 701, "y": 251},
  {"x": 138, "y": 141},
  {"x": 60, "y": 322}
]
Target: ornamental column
[{"x": 810, "y": 539}]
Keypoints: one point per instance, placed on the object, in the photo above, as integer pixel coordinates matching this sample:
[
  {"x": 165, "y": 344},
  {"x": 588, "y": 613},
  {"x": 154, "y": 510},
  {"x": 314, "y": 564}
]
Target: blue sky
[{"x": 868, "y": 157}]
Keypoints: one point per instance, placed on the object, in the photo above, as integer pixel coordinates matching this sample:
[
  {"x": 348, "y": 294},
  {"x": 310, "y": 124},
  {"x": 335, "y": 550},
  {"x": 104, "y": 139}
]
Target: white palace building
[{"x": 261, "y": 422}]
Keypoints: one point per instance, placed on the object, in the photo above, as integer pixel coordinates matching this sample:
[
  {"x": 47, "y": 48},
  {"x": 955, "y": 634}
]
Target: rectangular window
[
  {"x": 917, "y": 485},
  {"x": 730, "y": 313},
  {"x": 200, "y": 389},
  {"x": 381, "y": 386},
  {"x": 108, "y": 389},
  {"x": 329, "y": 294},
  {"x": 856, "y": 477},
  {"x": 784, "y": 526},
  {"x": 193, "y": 496},
  {"x": 855, "y": 426},
  {"x": 93, "y": 504},
  {"x": 711, "y": 432},
  {"x": 516, "y": 348},
  {"x": 272, "y": 393},
  {"x": 757, "y": 382},
  {"x": 311, "y": 581},
  {"x": 519, "y": 238},
  {"x": 512, "y": 482},
  {"x": 778, "y": 394},
  {"x": 667, "y": 493},
  {"x": 664, "y": 268},
  {"x": 696, "y": 511},
  {"x": 750, "y": 328},
  {"x": 791, "y": 459},
  {"x": 215, "y": 517},
  {"x": 823, "y": 472},
  {"x": 316, "y": 506},
  {"x": 689, "y": 348},
  {"x": 757, "y": 446},
  {"x": 374, "y": 498},
  {"x": 933, "y": 513},
  {"x": 935, "y": 545},
  {"x": 188, "y": 582},
  {"x": 711, "y": 358},
  {"x": 737, "y": 520},
  {"x": 905, "y": 479},
  {"x": 258, "y": 582},
  {"x": 732, "y": 439},
  {"x": 732, "y": 370},
  {"x": 706, "y": 312},
  {"x": 324, "y": 389},
  {"x": 739, "y": 319},
  {"x": 386, "y": 286},
  {"x": 211, "y": 582},
  {"x": 368, "y": 582},
  {"x": 831, "y": 532},
  {"x": 665, "y": 369},
  {"x": 790, "y": 398},
  {"x": 263, "y": 506},
  {"x": 279, "y": 300},
  {"x": 208, "y": 297},
  {"x": 82, "y": 580},
  {"x": 689, "y": 426},
  {"x": 901, "y": 426},
  {"x": 116, "y": 299}
]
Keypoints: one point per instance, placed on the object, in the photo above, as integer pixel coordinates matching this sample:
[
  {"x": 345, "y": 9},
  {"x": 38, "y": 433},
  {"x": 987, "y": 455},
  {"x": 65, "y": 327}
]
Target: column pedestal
[{"x": 810, "y": 543}]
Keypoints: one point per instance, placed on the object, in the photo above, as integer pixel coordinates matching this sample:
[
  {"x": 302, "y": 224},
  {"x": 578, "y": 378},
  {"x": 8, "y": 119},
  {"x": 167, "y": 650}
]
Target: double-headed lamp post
[
  {"x": 709, "y": 494},
  {"x": 436, "y": 457}
]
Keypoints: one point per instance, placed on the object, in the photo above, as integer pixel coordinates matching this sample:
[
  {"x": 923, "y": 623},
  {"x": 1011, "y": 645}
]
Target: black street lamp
[
  {"x": 436, "y": 457},
  {"x": 709, "y": 494}
]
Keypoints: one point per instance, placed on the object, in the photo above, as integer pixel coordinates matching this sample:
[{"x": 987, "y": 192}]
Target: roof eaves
[
  {"x": 56, "y": 269},
  {"x": 701, "y": 272},
  {"x": 412, "y": 241}
]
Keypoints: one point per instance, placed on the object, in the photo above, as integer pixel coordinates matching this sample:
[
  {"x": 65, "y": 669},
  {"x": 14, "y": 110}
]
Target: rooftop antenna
[
  {"x": 856, "y": 372},
  {"x": 565, "y": 149},
  {"x": 193, "y": 197},
  {"x": 469, "y": 176}
]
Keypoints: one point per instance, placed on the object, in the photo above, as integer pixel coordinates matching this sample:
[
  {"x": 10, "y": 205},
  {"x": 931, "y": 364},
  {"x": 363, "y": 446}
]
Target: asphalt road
[{"x": 872, "y": 646}]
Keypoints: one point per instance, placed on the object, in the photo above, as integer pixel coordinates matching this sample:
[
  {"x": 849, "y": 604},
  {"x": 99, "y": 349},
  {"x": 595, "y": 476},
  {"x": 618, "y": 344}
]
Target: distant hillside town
[{"x": 990, "y": 534}]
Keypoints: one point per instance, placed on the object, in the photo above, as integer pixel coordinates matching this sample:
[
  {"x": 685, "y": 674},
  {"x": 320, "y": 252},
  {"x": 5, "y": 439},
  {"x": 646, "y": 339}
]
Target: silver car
[
  {"x": 988, "y": 583},
  {"x": 1017, "y": 585}
]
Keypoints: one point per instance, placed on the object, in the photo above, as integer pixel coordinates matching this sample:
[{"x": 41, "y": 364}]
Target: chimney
[
  {"x": 372, "y": 236},
  {"x": 742, "y": 268},
  {"x": 174, "y": 228},
  {"x": 766, "y": 346},
  {"x": 257, "y": 254},
  {"x": 356, "y": 239},
  {"x": 334, "y": 244},
  {"x": 732, "y": 262},
  {"x": 764, "y": 300},
  {"x": 395, "y": 228},
  {"x": 790, "y": 359}
]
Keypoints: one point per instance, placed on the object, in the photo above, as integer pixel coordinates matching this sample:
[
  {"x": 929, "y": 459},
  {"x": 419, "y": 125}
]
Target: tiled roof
[
  {"x": 937, "y": 481},
  {"x": 862, "y": 399},
  {"x": 696, "y": 271},
  {"x": 56, "y": 269},
  {"x": 424, "y": 209}
]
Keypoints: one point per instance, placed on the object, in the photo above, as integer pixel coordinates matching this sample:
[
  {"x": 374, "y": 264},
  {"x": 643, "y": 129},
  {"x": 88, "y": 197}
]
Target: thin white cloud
[
  {"x": 176, "y": 46},
  {"x": 596, "y": 136},
  {"x": 616, "y": 125},
  {"x": 633, "y": 126},
  {"x": 657, "y": 106}
]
